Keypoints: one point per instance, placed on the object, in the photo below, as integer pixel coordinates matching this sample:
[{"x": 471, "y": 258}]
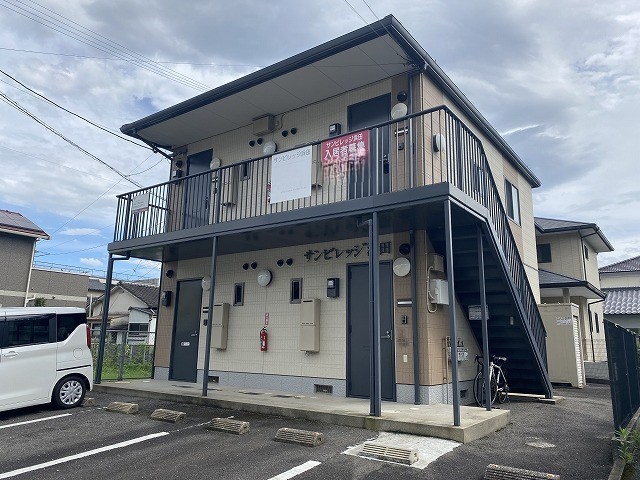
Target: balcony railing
[{"x": 424, "y": 148}]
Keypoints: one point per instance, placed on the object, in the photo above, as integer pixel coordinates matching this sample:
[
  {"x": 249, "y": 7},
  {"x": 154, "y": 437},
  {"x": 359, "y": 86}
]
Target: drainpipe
[
  {"x": 414, "y": 317},
  {"x": 26, "y": 293}
]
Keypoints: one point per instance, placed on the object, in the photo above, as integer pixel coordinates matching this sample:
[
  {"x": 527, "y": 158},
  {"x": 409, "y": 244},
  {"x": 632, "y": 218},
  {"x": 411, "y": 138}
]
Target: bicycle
[{"x": 498, "y": 382}]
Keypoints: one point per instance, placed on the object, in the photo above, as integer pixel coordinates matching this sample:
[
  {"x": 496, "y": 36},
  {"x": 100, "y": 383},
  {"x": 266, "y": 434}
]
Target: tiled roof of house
[
  {"x": 147, "y": 293},
  {"x": 550, "y": 278},
  {"x": 628, "y": 265},
  {"x": 20, "y": 224},
  {"x": 622, "y": 301},
  {"x": 95, "y": 284},
  {"x": 551, "y": 224}
]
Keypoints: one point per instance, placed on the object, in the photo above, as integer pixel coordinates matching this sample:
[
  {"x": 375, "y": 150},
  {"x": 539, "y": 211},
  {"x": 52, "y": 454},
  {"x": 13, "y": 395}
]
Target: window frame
[
  {"x": 291, "y": 290},
  {"x": 512, "y": 204},
  {"x": 236, "y": 302}
]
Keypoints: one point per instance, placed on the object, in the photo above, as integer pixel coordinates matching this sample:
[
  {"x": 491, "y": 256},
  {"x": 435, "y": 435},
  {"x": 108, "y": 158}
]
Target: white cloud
[{"x": 91, "y": 262}]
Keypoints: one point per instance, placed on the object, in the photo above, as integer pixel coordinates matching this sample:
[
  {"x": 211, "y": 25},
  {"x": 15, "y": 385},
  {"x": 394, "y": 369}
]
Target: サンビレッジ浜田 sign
[{"x": 291, "y": 175}]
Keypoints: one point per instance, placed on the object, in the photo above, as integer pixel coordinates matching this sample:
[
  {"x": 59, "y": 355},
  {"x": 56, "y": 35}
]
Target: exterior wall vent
[
  {"x": 323, "y": 388},
  {"x": 263, "y": 125}
]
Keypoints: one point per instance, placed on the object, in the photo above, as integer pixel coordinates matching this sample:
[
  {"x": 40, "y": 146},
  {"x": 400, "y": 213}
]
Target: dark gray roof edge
[
  {"x": 388, "y": 24},
  {"x": 582, "y": 226}
]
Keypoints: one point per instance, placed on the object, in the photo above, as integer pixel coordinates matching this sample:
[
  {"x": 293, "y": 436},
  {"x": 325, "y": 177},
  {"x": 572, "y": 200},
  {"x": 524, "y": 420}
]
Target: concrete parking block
[
  {"x": 89, "y": 402},
  {"x": 164, "y": 415},
  {"x": 123, "y": 407},
  {"x": 501, "y": 472}
]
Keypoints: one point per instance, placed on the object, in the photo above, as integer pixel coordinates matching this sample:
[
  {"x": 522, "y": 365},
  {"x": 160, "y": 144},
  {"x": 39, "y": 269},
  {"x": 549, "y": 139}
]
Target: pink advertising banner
[{"x": 342, "y": 153}]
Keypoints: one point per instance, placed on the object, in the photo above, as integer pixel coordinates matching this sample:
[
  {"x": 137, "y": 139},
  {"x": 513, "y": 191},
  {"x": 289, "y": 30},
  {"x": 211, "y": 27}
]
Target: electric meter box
[
  {"x": 310, "y": 325},
  {"x": 439, "y": 291},
  {"x": 220, "y": 326}
]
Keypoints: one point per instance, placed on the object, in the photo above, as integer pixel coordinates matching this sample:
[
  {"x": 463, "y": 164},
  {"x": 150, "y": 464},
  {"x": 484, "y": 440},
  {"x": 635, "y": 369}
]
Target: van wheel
[{"x": 69, "y": 392}]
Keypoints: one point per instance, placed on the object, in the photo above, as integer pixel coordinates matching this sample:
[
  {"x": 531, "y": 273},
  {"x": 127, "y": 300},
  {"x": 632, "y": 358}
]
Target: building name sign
[
  {"x": 290, "y": 175},
  {"x": 334, "y": 253}
]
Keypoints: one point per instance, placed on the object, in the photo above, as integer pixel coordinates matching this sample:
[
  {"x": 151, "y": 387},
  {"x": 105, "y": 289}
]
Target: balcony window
[{"x": 513, "y": 201}]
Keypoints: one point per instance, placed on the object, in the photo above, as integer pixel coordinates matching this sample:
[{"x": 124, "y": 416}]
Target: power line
[
  {"x": 72, "y": 113},
  {"x": 74, "y": 55},
  {"x": 91, "y": 40},
  {"x": 20, "y": 108}
]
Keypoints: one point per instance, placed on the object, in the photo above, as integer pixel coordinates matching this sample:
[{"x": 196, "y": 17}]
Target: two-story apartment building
[
  {"x": 333, "y": 223},
  {"x": 568, "y": 271}
]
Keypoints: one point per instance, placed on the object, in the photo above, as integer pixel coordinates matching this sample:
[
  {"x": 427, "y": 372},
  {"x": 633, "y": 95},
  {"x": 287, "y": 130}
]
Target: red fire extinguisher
[{"x": 263, "y": 339}]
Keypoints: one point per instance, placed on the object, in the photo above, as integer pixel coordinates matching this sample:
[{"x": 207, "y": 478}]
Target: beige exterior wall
[
  {"x": 620, "y": 280},
  {"x": 566, "y": 254},
  {"x": 15, "y": 263},
  {"x": 284, "y": 356},
  {"x": 119, "y": 303}
]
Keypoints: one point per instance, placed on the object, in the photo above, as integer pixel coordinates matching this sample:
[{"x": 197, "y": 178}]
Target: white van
[{"x": 45, "y": 356}]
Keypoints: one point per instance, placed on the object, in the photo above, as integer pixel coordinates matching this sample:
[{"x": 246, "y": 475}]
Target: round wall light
[
  {"x": 439, "y": 142},
  {"x": 269, "y": 148},
  {"x": 401, "y": 266},
  {"x": 215, "y": 163},
  {"x": 399, "y": 110},
  {"x": 264, "y": 278},
  {"x": 206, "y": 283}
]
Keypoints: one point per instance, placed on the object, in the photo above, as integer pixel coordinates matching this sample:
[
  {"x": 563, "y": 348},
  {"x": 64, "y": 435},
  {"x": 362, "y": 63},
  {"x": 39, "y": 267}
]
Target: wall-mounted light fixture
[
  {"x": 264, "y": 277},
  {"x": 399, "y": 110},
  {"x": 215, "y": 163},
  {"x": 401, "y": 266},
  {"x": 206, "y": 283},
  {"x": 439, "y": 142},
  {"x": 269, "y": 148}
]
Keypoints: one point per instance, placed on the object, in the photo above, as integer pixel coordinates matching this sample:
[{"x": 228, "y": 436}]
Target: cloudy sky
[{"x": 559, "y": 80}]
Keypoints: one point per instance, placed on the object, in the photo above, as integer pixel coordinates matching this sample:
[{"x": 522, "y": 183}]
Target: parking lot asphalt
[{"x": 92, "y": 443}]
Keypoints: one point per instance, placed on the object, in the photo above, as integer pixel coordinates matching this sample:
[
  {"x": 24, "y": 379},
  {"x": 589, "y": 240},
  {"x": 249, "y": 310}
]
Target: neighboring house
[
  {"x": 95, "y": 290},
  {"x": 20, "y": 282},
  {"x": 568, "y": 272},
  {"x": 621, "y": 282},
  {"x": 132, "y": 311},
  {"x": 273, "y": 178}
]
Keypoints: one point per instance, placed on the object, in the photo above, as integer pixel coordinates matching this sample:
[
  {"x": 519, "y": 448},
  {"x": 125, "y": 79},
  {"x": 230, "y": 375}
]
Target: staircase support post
[
  {"x": 375, "y": 404},
  {"x": 452, "y": 313},
  {"x": 485, "y": 321}
]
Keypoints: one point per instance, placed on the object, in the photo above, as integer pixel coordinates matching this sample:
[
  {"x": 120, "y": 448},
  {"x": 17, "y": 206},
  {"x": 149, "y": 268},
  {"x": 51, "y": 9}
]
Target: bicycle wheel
[
  {"x": 503, "y": 393},
  {"x": 479, "y": 390}
]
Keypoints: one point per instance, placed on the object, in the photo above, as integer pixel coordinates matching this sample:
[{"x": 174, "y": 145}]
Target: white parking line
[
  {"x": 295, "y": 470},
  {"x": 58, "y": 461},
  {"x": 34, "y": 421}
]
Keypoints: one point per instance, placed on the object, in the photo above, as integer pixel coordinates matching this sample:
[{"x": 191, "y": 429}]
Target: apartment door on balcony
[
  {"x": 198, "y": 190},
  {"x": 186, "y": 328},
  {"x": 358, "y": 332},
  {"x": 360, "y": 116}
]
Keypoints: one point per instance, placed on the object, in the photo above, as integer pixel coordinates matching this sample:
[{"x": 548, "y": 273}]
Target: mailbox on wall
[
  {"x": 333, "y": 287},
  {"x": 165, "y": 299}
]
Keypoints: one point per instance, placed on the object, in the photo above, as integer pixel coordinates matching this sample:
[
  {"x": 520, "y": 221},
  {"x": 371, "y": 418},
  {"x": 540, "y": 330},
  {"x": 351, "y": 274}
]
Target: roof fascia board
[{"x": 24, "y": 233}]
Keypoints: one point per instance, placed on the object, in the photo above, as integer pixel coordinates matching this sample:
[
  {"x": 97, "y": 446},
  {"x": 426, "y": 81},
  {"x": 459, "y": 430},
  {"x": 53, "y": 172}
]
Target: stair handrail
[{"x": 490, "y": 198}]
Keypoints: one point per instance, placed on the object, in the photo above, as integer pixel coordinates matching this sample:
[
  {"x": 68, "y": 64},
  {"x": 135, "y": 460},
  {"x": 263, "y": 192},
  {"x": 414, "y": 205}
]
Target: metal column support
[
  {"x": 452, "y": 313},
  {"x": 375, "y": 393},
  {"x": 207, "y": 351},
  {"x": 105, "y": 316},
  {"x": 485, "y": 321},
  {"x": 414, "y": 318}
]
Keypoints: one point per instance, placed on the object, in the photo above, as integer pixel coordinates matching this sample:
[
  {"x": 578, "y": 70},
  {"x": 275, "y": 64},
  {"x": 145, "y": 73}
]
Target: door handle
[
  {"x": 10, "y": 354},
  {"x": 388, "y": 335}
]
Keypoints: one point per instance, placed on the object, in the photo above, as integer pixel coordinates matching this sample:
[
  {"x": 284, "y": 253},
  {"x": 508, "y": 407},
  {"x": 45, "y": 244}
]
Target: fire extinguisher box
[
  {"x": 310, "y": 325},
  {"x": 220, "y": 326}
]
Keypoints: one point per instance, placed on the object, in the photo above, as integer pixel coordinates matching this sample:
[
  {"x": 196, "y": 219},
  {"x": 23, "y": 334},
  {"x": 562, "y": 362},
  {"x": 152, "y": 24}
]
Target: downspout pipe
[{"x": 414, "y": 318}]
